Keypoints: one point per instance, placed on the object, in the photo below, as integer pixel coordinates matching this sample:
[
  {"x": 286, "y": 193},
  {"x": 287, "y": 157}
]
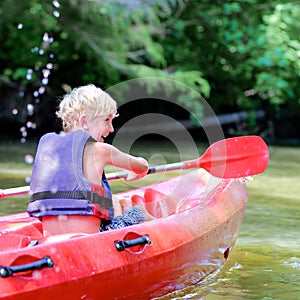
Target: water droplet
[
  {"x": 30, "y": 109},
  {"x": 42, "y": 90},
  {"x": 43, "y": 208},
  {"x": 41, "y": 52},
  {"x": 57, "y": 269},
  {"x": 20, "y": 26},
  {"x": 14, "y": 111},
  {"x": 34, "y": 50},
  {"x": 56, "y": 14},
  {"x": 45, "y": 37},
  {"x": 53, "y": 190},
  {"x": 53, "y": 250},
  {"x": 35, "y": 93},
  {"x": 46, "y": 73},
  {"x": 36, "y": 274},
  {"x": 28, "y": 159},
  {"x": 62, "y": 218},
  {"x": 28, "y": 76},
  {"x": 49, "y": 66},
  {"x": 56, "y": 4},
  {"x": 45, "y": 81}
]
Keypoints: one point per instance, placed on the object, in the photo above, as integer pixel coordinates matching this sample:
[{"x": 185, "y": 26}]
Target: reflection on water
[
  {"x": 248, "y": 275},
  {"x": 265, "y": 262}
]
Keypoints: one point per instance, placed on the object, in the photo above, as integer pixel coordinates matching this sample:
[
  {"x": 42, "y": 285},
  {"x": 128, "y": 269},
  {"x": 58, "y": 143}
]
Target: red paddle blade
[{"x": 236, "y": 157}]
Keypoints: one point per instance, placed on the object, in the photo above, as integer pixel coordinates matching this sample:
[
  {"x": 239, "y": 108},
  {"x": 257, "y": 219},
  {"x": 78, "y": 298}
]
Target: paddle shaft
[
  {"x": 151, "y": 170},
  {"x": 23, "y": 190},
  {"x": 17, "y": 191}
]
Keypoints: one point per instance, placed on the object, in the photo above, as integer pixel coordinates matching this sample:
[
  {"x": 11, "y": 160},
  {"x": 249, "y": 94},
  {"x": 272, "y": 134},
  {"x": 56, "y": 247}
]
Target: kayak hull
[{"x": 183, "y": 248}]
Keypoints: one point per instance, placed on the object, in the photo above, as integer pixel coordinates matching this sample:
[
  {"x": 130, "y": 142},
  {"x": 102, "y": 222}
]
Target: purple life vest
[{"x": 58, "y": 185}]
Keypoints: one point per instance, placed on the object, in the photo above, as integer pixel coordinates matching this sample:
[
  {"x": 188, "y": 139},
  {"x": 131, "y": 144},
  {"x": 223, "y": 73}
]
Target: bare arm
[{"x": 108, "y": 154}]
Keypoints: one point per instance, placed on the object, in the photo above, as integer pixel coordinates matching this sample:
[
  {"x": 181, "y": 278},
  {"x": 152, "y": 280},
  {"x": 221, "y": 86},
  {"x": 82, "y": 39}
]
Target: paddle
[{"x": 230, "y": 158}]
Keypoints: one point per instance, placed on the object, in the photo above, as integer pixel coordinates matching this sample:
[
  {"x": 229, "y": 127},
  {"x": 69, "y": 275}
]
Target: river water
[{"x": 265, "y": 262}]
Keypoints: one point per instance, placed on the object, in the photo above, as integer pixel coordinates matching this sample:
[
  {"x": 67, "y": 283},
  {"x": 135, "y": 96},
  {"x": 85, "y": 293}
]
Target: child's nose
[{"x": 111, "y": 128}]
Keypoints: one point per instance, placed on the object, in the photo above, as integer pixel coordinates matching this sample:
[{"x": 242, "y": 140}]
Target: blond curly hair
[{"x": 86, "y": 100}]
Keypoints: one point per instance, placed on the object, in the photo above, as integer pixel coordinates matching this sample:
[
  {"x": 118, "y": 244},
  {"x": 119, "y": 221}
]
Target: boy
[{"x": 69, "y": 191}]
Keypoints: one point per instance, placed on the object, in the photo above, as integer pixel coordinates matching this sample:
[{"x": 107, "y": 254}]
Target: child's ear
[{"x": 83, "y": 122}]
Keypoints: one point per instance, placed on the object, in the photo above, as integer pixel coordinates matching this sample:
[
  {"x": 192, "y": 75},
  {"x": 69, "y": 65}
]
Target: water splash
[{"x": 37, "y": 76}]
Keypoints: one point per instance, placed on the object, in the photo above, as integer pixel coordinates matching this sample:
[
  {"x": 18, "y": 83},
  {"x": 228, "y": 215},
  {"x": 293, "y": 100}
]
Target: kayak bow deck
[{"x": 198, "y": 218}]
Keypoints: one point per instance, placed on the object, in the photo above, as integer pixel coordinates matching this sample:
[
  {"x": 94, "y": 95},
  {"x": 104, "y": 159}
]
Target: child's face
[{"x": 100, "y": 127}]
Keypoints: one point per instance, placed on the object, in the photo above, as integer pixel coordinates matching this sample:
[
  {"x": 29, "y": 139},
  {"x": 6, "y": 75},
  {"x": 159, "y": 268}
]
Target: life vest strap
[{"x": 78, "y": 195}]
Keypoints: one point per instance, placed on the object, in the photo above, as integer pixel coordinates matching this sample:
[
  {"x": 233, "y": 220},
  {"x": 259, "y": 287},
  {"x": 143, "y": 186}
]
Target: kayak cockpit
[{"x": 161, "y": 200}]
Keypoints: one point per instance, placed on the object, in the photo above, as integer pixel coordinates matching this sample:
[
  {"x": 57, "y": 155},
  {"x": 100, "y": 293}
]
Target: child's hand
[
  {"x": 143, "y": 169},
  {"x": 133, "y": 176}
]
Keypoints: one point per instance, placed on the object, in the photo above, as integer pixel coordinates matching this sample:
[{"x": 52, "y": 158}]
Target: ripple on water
[{"x": 293, "y": 262}]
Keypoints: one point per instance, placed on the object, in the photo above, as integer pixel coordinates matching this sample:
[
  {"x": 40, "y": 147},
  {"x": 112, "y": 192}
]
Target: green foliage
[
  {"x": 280, "y": 59},
  {"x": 237, "y": 54}
]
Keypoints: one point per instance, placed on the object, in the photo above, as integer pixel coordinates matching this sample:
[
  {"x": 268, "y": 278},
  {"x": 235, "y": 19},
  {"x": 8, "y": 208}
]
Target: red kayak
[{"x": 198, "y": 218}]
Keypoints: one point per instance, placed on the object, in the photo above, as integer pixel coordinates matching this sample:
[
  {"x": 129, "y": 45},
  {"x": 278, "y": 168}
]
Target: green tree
[{"x": 240, "y": 55}]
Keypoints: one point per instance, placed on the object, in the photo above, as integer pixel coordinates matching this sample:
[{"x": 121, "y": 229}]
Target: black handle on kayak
[
  {"x": 45, "y": 262},
  {"x": 122, "y": 245}
]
